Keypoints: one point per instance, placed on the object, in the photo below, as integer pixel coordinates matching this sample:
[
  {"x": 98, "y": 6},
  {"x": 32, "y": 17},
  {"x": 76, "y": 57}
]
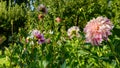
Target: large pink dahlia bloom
[{"x": 98, "y": 30}]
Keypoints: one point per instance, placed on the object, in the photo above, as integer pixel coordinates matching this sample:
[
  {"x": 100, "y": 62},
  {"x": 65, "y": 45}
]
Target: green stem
[
  {"x": 12, "y": 29},
  {"x": 113, "y": 52},
  {"x": 42, "y": 56},
  {"x": 11, "y": 58}
]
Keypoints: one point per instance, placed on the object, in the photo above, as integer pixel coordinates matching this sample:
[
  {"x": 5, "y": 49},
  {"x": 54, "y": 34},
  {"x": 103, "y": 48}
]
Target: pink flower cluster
[
  {"x": 98, "y": 30},
  {"x": 38, "y": 36}
]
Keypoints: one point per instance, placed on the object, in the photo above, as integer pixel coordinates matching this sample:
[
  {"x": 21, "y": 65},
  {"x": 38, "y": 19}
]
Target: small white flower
[{"x": 51, "y": 32}]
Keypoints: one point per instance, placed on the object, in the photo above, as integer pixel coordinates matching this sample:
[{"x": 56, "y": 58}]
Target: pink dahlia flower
[
  {"x": 38, "y": 36},
  {"x": 98, "y": 30},
  {"x": 40, "y": 16},
  {"x": 35, "y": 33},
  {"x": 58, "y": 19},
  {"x": 41, "y": 39}
]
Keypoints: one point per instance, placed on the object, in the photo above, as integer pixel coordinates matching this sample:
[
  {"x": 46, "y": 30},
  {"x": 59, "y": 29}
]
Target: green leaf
[
  {"x": 2, "y": 39},
  {"x": 63, "y": 65}
]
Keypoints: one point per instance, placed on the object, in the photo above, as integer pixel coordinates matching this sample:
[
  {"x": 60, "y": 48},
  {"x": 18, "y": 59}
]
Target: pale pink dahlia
[
  {"x": 98, "y": 30},
  {"x": 73, "y": 31}
]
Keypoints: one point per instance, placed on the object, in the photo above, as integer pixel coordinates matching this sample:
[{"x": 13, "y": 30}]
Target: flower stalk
[{"x": 113, "y": 52}]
